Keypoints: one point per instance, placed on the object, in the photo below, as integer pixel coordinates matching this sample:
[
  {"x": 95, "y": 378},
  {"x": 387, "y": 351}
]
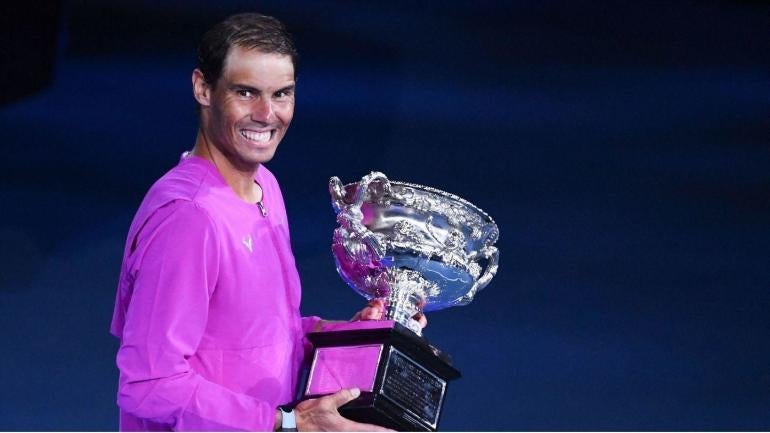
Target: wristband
[{"x": 288, "y": 420}]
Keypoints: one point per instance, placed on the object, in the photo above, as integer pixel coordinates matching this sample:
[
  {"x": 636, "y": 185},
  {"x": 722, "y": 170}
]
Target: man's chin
[{"x": 261, "y": 157}]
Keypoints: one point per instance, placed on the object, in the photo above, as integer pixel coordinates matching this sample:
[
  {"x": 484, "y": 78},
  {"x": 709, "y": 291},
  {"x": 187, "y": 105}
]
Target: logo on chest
[{"x": 247, "y": 242}]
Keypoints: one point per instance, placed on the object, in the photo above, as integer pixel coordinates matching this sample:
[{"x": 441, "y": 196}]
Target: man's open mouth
[{"x": 257, "y": 137}]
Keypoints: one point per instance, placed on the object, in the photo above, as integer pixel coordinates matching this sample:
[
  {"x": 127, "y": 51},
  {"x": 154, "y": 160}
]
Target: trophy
[{"x": 418, "y": 249}]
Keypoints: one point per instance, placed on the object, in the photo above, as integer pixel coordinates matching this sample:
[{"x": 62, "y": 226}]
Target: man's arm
[{"x": 174, "y": 277}]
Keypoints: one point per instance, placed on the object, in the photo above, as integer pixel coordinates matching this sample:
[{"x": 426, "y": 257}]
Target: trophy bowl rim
[{"x": 441, "y": 193}]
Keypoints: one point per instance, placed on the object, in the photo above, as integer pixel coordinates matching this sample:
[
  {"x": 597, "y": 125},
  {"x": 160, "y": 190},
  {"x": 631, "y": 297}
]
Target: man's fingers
[
  {"x": 375, "y": 309},
  {"x": 371, "y": 313},
  {"x": 344, "y": 395}
]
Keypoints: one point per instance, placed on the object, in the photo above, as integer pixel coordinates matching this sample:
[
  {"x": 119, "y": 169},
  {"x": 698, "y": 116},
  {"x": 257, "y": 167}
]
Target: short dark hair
[{"x": 246, "y": 30}]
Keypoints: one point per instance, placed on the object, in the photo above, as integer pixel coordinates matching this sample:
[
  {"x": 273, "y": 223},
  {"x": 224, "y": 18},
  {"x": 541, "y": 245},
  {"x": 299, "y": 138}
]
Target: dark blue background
[{"x": 622, "y": 147}]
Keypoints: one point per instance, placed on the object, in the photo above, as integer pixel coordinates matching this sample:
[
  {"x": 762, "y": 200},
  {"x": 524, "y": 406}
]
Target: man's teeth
[{"x": 256, "y": 136}]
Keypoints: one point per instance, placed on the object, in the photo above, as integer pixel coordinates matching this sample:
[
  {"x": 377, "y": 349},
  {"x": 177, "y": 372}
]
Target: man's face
[{"x": 249, "y": 110}]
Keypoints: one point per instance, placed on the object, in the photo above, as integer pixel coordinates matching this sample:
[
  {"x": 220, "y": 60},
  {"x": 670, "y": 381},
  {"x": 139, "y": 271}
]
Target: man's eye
[
  {"x": 244, "y": 93},
  {"x": 282, "y": 94}
]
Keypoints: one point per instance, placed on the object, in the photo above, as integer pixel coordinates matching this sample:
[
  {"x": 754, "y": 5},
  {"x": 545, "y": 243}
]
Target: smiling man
[
  {"x": 244, "y": 114},
  {"x": 207, "y": 309}
]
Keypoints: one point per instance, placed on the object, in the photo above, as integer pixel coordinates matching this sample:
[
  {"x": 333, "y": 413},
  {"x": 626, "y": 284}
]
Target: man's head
[
  {"x": 244, "y": 86},
  {"x": 247, "y": 30}
]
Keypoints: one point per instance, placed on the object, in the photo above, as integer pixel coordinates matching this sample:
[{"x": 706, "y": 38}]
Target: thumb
[{"x": 345, "y": 395}]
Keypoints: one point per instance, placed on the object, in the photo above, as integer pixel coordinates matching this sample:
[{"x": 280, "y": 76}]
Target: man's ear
[{"x": 201, "y": 89}]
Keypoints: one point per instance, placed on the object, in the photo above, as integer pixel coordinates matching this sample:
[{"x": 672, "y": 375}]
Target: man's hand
[
  {"x": 376, "y": 308},
  {"x": 320, "y": 414},
  {"x": 373, "y": 311}
]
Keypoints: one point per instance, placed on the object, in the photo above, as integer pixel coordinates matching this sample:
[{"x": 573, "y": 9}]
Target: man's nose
[{"x": 262, "y": 110}]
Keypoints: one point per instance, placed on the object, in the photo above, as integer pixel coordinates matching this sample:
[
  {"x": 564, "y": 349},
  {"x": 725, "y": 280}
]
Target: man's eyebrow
[
  {"x": 244, "y": 87},
  {"x": 252, "y": 89},
  {"x": 288, "y": 88}
]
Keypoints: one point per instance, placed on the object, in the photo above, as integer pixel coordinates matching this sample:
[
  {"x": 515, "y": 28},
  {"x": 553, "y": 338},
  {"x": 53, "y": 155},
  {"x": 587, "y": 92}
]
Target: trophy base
[{"x": 402, "y": 378}]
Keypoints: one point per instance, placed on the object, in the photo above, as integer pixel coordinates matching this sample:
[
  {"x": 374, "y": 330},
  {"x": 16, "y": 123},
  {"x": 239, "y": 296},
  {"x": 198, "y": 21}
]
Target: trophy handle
[
  {"x": 351, "y": 217},
  {"x": 337, "y": 191},
  {"x": 491, "y": 254}
]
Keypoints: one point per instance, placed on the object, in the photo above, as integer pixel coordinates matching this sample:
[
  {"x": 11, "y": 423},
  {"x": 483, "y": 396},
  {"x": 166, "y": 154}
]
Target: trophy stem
[{"x": 401, "y": 306}]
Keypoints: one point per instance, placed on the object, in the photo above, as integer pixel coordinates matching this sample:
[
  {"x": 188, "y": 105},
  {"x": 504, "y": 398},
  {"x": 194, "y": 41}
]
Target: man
[{"x": 207, "y": 308}]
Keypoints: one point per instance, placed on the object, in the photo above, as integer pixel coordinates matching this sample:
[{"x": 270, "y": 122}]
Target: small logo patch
[{"x": 247, "y": 242}]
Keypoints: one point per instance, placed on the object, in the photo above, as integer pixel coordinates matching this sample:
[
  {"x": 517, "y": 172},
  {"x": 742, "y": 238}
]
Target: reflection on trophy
[{"x": 418, "y": 249}]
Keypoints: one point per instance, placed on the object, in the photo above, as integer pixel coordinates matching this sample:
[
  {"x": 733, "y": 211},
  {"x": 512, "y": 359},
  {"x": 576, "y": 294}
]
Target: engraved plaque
[{"x": 413, "y": 388}]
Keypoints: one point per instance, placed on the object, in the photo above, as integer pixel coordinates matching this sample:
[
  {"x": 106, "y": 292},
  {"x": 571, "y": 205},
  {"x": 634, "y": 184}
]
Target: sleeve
[
  {"x": 310, "y": 323},
  {"x": 174, "y": 278}
]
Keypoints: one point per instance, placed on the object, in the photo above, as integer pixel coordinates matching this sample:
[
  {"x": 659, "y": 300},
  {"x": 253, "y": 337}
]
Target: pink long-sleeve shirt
[{"x": 207, "y": 308}]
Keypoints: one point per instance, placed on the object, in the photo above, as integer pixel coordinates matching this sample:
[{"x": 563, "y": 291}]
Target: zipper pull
[{"x": 262, "y": 208}]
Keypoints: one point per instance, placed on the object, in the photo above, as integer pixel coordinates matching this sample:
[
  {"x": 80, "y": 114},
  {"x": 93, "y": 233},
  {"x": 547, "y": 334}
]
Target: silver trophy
[{"x": 418, "y": 249}]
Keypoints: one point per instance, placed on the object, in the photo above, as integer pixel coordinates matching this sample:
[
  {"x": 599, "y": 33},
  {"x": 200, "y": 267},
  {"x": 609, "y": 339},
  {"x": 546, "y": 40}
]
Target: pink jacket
[{"x": 207, "y": 308}]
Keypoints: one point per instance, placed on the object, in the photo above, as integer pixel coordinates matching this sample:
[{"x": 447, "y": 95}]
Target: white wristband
[{"x": 288, "y": 420}]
